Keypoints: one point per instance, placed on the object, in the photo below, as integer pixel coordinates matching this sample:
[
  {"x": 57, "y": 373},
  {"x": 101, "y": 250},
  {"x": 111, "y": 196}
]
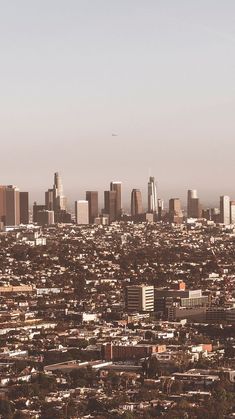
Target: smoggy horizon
[{"x": 118, "y": 91}]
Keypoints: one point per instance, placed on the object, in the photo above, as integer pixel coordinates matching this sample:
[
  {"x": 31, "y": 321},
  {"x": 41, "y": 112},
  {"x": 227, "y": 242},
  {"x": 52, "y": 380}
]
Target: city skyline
[
  {"x": 15, "y": 206},
  {"x": 166, "y": 92},
  {"x": 68, "y": 199}
]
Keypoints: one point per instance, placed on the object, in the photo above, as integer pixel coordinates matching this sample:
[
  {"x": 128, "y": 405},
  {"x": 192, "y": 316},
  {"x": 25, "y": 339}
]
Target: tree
[
  {"x": 149, "y": 335},
  {"x": 113, "y": 379},
  {"x": 95, "y": 405},
  {"x": 83, "y": 376},
  {"x": 153, "y": 367},
  {"x": 44, "y": 383}
]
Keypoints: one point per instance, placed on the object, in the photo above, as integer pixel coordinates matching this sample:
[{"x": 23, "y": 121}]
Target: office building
[
  {"x": 117, "y": 187},
  {"x": 136, "y": 203},
  {"x": 49, "y": 199},
  {"x": 193, "y": 204},
  {"x": 82, "y": 212},
  {"x": 185, "y": 297},
  {"x": 3, "y": 204},
  {"x": 24, "y": 207},
  {"x": 12, "y": 206},
  {"x": 207, "y": 214},
  {"x": 160, "y": 204},
  {"x": 225, "y": 209},
  {"x": 139, "y": 298},
  {"x": 60, "y": 201},
  {"x": 196, "y": 208},
  {"x": 215, "y": 215},
  {"x": 232, "y": 212},
  {"x": 62, "y": 217},
  {"x": 110, "y": 205},
  {"x": 57, "y": 202},
  {"x": 92, "y": 198},
  {"x": 179, "y": 303},
  {"x": 149, "y": 217},
  {"x": 36, "y": 209},
  {"x": 126, "y": 351},
  {"x": 152, "y": 196},
  {"x": 45, "y": 217},
  {"x": 192, "y": 194},
  {"x": 54, "y": 198},
  {"x": 102, "y": 220},
  {"x": 175, "y": 212},
  {"x": 58, "y": 184}
]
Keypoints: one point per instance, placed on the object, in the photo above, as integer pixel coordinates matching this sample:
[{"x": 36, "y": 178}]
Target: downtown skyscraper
[
  {"x": 110, "y": 205},
  {"x": 24, "y": 207},
  {"x": 175, "y": 211},
  {"x": 117, "y": 187},
  {"x": 113, "y": 201},
  {"x": 59, "y": 198},
  {"x": 92, "y": 198},
  {"x": 82, "y": 212},
  {"x": 55, "y": 202},
  {"x": 152, "y": 196},
  {"x": 225, "y": 210},
  {"x": 193, "y": 204},
  {"x": 54, "y": 197},
  {"x": 136, "y": 203},
  {"x": 14, "y": 208}
]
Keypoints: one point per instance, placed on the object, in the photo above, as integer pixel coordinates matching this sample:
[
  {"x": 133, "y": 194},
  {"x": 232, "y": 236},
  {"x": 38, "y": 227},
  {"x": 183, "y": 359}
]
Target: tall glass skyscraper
[
  {"x": 110, "y": 204},
  {"x": 152, "y": 196},
  {"x": 92, "y": 198},
  {"x": 193, "y": 204},
  {"x": 136, "y": 203},
  {"x": 117, "y": 187}
]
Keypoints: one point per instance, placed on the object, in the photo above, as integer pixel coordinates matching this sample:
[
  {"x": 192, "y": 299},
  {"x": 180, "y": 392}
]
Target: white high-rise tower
[
  {"x": 152, "y": 196},
  {"x": 58, "y": 184},
  {"x": 225, "y": 209},
  {"x": 59, "y": 198}
]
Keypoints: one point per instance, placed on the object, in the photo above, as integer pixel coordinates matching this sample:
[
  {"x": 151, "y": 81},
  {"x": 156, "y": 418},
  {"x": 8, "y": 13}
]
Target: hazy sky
[{"x": 159, "y": 73}]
